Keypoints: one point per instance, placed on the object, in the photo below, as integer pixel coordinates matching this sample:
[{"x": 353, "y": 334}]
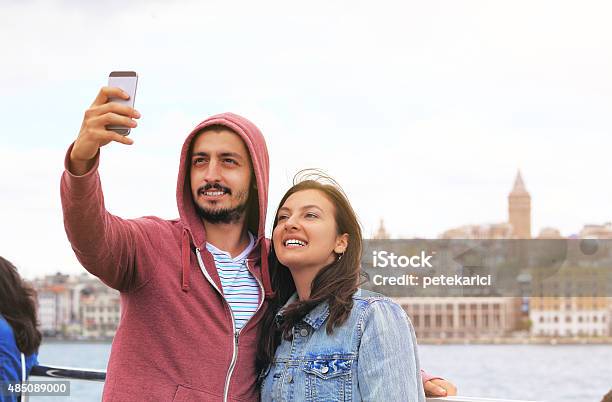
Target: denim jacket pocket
[{"x": 328, "y": 379}]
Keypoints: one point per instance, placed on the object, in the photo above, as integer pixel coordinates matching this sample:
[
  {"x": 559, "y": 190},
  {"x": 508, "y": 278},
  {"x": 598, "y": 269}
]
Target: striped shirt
[{"x": 240, "y": 288}]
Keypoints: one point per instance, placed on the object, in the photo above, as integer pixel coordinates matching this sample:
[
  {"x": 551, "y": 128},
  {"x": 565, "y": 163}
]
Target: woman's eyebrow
[
  {"x": 286, "y": 209},
  {"x": 311, "y": 206}
]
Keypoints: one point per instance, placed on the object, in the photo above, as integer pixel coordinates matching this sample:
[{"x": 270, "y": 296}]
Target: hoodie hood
[{"x": 194, "y": 232}]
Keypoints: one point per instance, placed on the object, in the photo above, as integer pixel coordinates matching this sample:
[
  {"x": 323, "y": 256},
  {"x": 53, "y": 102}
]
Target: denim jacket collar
[
  {"x": 316, "y": 317},
  {"x": 319, "y": 314}
]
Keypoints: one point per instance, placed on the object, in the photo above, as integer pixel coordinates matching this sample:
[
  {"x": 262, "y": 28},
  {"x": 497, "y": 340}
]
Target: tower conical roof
[{"x": 519, "y": 186}]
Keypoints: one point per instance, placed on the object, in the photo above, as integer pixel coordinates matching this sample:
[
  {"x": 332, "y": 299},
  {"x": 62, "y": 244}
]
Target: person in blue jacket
[
  {"x": 19, "y": 335},
  {"x": 324, "y": 338}
]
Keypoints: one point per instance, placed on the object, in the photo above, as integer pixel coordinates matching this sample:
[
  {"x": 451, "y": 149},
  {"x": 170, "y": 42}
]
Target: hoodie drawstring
[
  {"x": 265, "y": 271},
  {"x": 185, "y": 259}
]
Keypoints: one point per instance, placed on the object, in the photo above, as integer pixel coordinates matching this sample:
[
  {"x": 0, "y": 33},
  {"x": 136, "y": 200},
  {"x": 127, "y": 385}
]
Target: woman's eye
[
  {"x": 230, "y": 161},
  {"x": 311, "y": 215},
  {"x": 198, "y": 161},
  {"x": 281, "y": 217}
]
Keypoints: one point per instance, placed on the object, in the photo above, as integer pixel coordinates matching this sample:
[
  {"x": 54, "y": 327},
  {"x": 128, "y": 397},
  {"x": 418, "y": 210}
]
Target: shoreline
[
  {"x": 424, "y": 341},
  {"x": 517, "y": 341},
  {"x": 68, "y": 340}
]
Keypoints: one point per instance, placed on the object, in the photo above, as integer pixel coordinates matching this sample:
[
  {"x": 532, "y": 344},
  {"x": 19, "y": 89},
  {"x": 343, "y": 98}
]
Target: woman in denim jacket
[{"x": 323, "y": 338}]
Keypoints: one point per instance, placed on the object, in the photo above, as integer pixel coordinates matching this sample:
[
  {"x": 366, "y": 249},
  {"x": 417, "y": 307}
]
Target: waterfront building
[
  {"x": 462, "y": 317},
  {"x": 596, "y": 231},
  {"x": 54, "y": 307},
  {"x": 483, "y": 231},
  {"x": 570, "y": 316},
  {"x": 59, "y": 305},
  {"x": 578, "y": 302},
  {"x": 100, "y": 313}
]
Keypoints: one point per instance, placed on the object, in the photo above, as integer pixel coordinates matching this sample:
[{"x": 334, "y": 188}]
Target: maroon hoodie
[{"x": 175, "y": 340}]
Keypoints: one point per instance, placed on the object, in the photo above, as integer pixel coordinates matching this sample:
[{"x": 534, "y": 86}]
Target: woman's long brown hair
[
  {"x": 334, "y": 284},
  {"x": 18, "y": 307}
]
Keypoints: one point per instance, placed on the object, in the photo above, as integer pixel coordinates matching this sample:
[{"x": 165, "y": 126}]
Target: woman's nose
[{"x": 291, "y": 223}]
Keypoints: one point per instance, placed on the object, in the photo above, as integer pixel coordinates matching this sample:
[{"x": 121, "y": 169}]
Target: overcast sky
[{"x": 423, "y": 111}]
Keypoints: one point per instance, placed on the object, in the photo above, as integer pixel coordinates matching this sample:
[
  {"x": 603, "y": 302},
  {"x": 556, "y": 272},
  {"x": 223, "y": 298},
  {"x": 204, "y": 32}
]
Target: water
[
  {"x": 559, "y": 373},
  {"x": 75, "y": 354}
]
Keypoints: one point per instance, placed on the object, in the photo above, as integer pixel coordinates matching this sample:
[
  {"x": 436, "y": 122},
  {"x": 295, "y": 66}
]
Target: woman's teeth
[{"x": 294, "y": 242}]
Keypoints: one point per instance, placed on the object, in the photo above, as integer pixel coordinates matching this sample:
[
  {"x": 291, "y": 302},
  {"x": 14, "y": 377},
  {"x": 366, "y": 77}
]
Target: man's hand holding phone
[{"x": 94, "y": 133}]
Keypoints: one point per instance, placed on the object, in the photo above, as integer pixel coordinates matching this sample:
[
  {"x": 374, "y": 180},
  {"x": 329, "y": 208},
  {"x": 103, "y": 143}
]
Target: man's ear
[{"x": 341, "y": 243}]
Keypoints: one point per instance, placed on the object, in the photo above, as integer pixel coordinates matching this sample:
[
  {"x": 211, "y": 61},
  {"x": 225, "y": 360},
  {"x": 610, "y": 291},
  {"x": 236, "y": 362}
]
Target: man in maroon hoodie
[{"x": 193, "y": 288}]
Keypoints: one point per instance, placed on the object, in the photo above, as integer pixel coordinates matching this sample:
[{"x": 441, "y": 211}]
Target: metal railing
[
  {"x": 471, "y": 399},
  {"x": 72, "y": 373}
]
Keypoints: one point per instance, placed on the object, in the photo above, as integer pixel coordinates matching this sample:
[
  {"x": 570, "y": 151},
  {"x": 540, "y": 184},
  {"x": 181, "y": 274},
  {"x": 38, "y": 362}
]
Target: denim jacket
[{"x": 371, "y": 357}]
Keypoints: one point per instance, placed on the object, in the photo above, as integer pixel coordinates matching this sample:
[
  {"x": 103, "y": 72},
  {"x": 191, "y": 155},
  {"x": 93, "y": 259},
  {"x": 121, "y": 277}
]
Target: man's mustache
[{"x": 214, "y": 186}]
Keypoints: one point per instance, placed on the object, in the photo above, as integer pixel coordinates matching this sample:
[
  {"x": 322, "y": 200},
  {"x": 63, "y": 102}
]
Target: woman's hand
[{"x": 440, "y": 387}]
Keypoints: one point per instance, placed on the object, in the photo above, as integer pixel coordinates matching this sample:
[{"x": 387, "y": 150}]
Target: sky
[{"x": 422, "y": 111}]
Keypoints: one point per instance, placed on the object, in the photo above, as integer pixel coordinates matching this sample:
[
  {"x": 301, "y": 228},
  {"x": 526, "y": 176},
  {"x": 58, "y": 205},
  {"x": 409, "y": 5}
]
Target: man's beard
[{"x": 226, "y": 215}]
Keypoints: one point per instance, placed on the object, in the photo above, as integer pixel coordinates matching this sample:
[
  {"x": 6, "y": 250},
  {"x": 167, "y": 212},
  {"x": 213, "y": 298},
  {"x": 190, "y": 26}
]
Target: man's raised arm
[{"x": 103, "y": 243}]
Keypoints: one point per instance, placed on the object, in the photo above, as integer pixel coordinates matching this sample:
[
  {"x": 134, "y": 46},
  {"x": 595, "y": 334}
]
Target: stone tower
[
  {"x": 381, "y": 233},
  {"x": 519, "y": 209}
]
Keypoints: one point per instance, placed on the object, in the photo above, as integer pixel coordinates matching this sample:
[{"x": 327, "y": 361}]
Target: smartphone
[{"x": 127, "y": 81}]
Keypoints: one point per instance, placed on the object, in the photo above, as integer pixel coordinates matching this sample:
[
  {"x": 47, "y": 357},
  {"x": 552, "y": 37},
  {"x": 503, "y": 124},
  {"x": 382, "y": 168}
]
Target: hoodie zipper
[
  {"x": 206, "y": 274},
  {"x": 228, "y": 378},
  {"x": 236, "y": 334},
  {"x": 230, "y": 371}
]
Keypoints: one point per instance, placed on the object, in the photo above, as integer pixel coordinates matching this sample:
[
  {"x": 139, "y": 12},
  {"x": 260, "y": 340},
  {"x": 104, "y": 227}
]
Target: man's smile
[{"x": 213, "y": 192}]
